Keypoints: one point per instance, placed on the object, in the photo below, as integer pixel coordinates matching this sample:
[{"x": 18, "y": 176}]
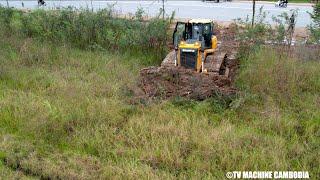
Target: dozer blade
[{"x": 169, "y": 59}]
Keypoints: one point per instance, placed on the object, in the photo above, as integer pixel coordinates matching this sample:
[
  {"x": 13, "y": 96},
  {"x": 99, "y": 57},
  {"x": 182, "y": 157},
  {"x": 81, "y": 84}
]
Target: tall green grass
[
  {"x": 70, "y": 113},
  {"x": 101, "y": 30}
]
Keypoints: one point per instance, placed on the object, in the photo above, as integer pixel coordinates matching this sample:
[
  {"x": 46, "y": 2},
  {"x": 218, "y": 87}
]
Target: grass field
[{"x": 66, "y": 112}]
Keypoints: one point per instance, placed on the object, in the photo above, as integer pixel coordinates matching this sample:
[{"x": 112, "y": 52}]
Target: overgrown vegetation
[
  {"x": 66, "y": 113},
  {"x": 102, "y": 30},
  {"x": 278, "y": 36},
  {"x": 281, "y": 32}
]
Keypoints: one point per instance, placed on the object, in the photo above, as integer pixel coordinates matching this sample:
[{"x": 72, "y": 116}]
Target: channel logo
[{"x": 268, "y": 175}]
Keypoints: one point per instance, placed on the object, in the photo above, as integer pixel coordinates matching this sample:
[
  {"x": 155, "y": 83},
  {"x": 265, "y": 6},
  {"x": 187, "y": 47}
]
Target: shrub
[
  {"x": 256, "y": 34},
  {"x": 285, "y": 26}
]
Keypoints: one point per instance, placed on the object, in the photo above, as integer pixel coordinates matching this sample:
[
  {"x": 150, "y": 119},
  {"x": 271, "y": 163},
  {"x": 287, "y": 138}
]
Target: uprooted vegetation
[{"x": 66, "y": 113}]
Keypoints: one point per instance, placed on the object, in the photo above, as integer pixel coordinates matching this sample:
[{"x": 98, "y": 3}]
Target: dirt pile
[{"x": 178, "y": 81}]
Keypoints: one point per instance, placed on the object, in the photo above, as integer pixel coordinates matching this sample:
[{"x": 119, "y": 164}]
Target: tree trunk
[{"x": 253, "y": 11}]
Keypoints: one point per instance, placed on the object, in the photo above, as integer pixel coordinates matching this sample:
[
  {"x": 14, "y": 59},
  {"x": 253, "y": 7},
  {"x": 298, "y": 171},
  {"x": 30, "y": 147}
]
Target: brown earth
[{"x": 178, "y": 81}]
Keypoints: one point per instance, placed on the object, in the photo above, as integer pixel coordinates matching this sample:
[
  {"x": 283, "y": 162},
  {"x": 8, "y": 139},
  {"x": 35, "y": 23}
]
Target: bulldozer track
[{"x": 215, "y": 61}]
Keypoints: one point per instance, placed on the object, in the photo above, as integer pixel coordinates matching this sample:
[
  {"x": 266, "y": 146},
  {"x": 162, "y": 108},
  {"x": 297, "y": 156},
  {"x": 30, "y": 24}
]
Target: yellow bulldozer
[
  {"x": 196, "y": 49},
  {"x": 196, "y": 46}
]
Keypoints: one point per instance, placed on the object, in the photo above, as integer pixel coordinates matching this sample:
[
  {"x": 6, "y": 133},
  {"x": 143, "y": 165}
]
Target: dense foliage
[{"x": 102, "y": 30}]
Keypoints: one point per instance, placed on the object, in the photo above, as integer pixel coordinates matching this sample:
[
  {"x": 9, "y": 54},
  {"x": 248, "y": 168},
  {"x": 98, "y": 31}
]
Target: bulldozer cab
[
  {"x": 179, "y": 33},
  {"x": 194, "y": 31},
  {"x": 193, "y": 41}
]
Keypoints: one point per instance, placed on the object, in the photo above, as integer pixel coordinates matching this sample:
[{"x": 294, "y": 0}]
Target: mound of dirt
[{"x": 174, "y": 81}]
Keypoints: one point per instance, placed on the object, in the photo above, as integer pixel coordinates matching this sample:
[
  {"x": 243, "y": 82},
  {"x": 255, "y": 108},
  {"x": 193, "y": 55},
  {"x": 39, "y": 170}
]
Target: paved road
[{"x": 225, "y": 11}]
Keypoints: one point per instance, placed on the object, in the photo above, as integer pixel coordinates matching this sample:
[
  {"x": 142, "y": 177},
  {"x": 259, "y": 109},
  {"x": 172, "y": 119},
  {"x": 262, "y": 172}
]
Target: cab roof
[{"x": 201, "y": 21}]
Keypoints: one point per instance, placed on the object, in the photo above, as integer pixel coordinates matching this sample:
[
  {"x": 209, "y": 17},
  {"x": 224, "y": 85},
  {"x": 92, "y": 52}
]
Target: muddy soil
[
  {"x": 168, "y": 81},
  {"x": 178, "y": 81}
]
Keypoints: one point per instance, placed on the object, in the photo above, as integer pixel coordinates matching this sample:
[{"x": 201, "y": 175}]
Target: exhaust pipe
[
  {"x": 202, "y": 68},
  {"x": 175, "y": 57},
  {"x": 202, "y": 62}
]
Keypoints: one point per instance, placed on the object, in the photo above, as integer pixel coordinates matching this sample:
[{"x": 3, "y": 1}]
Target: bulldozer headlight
[
  {"x": 188, "y": 50},
  {"x": 197, "y": 44}
]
